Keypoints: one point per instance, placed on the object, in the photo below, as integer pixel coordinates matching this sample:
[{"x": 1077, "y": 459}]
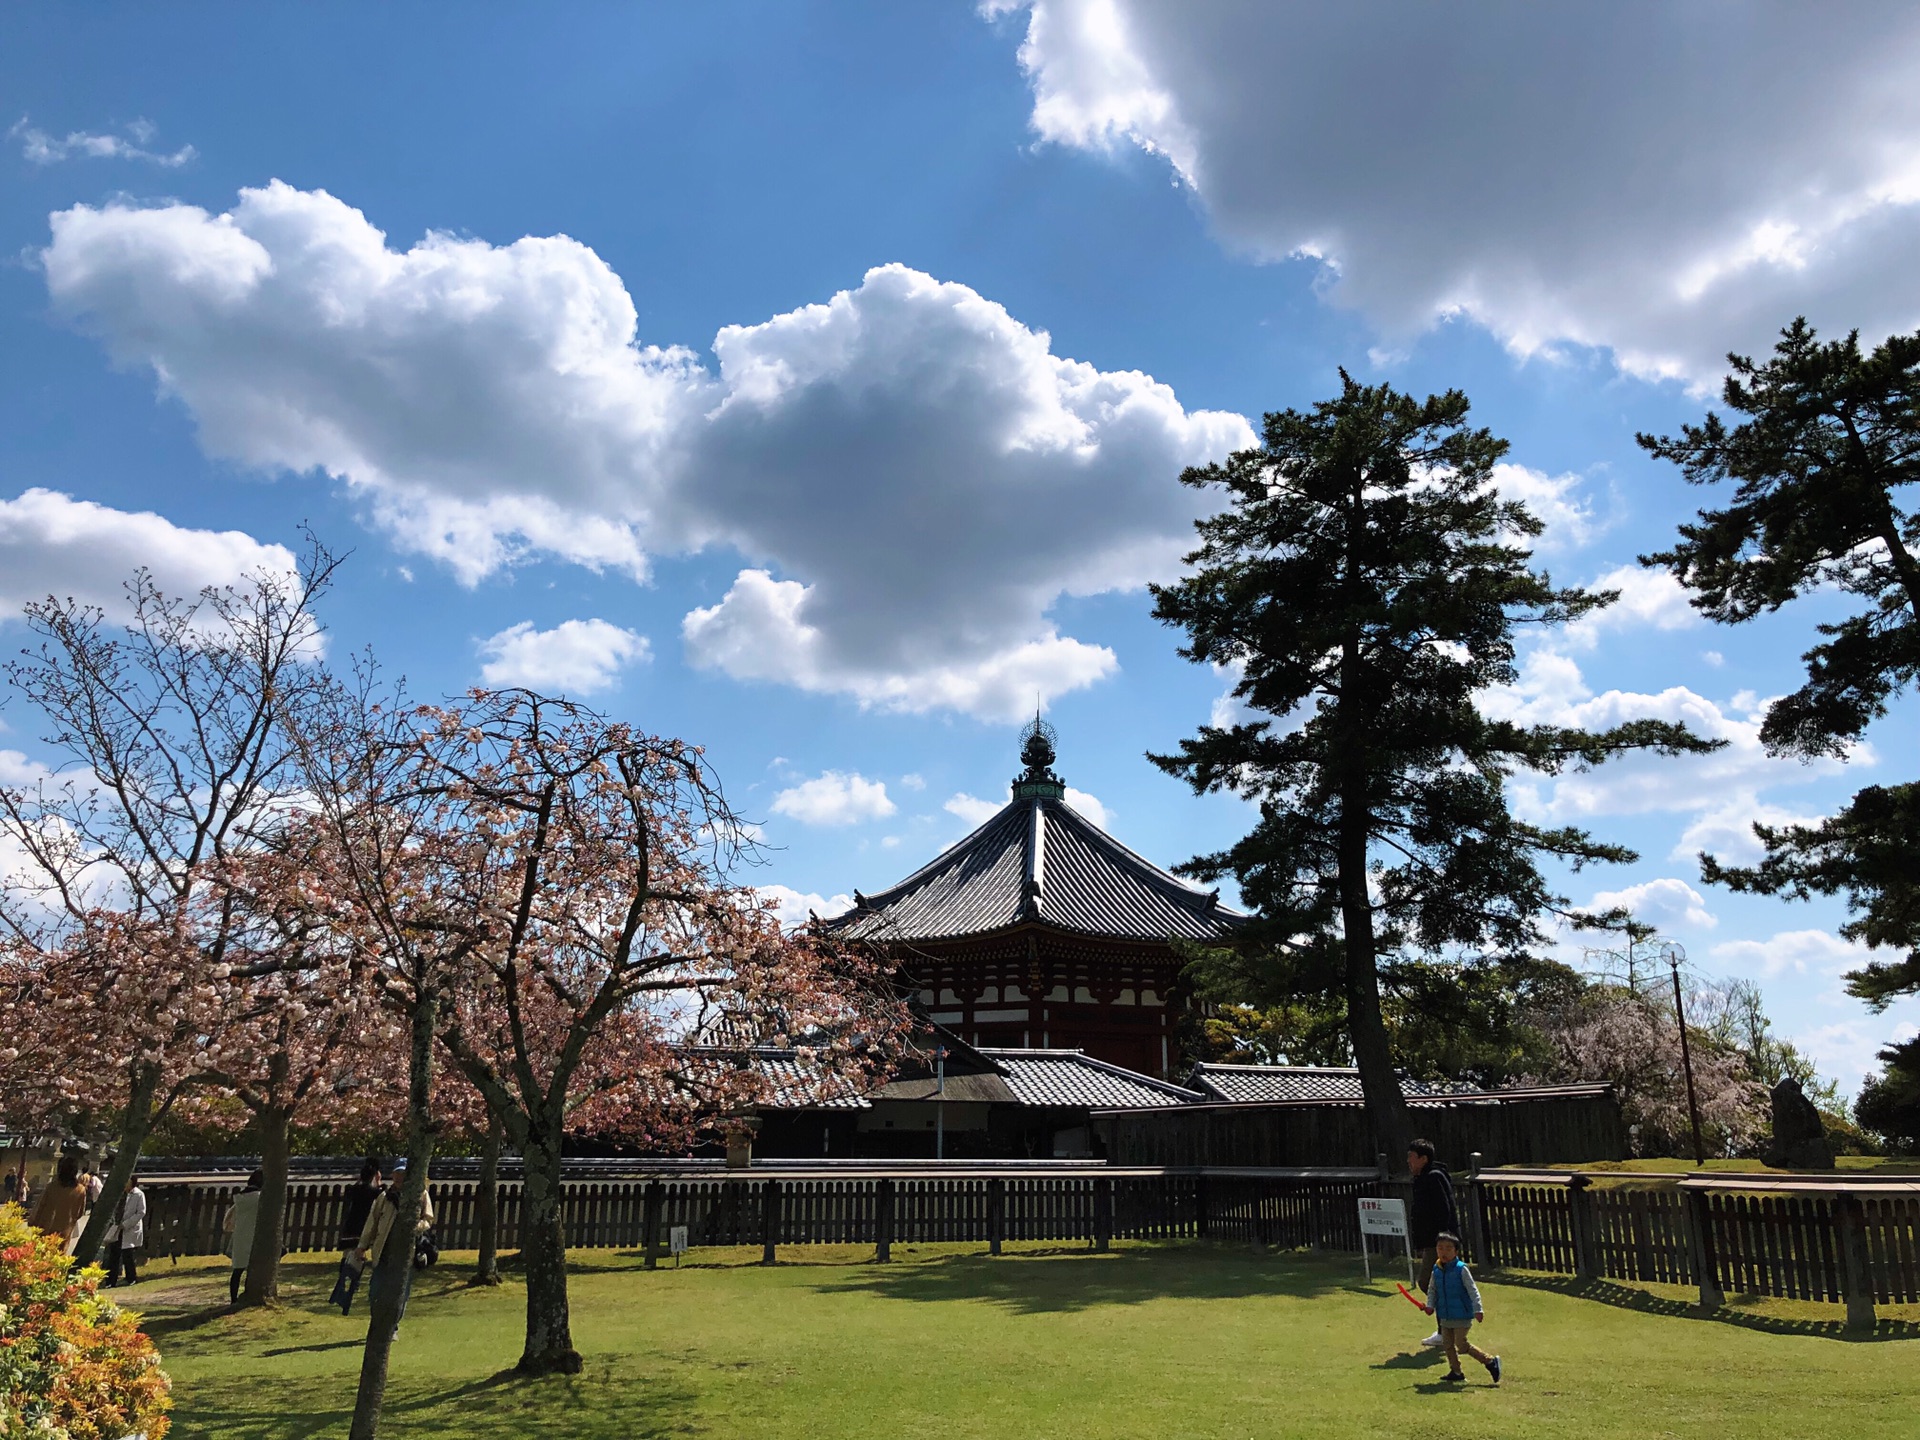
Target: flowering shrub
[{"x": 73, "y": 1366}]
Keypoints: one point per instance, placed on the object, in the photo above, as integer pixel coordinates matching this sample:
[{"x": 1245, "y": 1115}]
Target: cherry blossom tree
[
  {"x": 610, "y": 927},
  {"x": 174, "y": 728},
  {"x": 304, "y": 1030}
]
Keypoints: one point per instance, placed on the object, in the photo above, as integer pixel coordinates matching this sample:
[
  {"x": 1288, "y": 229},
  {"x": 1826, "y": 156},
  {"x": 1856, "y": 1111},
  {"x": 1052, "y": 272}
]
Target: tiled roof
[
  {"x": 792, "y": 1083},
  {"x": 1039, "y": 860},
  {"x": 1245, "y": 1083},
  {"x": 1072, "y": 1077}
]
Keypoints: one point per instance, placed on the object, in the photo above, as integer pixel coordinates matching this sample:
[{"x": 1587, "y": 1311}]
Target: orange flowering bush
[{"x": 73, "y": 1365}]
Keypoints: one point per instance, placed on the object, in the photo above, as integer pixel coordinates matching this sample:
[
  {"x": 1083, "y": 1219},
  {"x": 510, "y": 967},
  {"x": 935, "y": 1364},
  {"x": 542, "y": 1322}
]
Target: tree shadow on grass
[
  {"x": 1626, "y": 1297},
  {"x": 504, "y": 1406},
  {"x": 1037, "y": 1283}
]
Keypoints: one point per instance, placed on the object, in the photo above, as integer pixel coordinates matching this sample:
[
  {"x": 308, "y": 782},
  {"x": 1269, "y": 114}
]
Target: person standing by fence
[
  {"x": 379, "y": 1233},
  {"x": 239, "y": 1227},
  {"x": 353, "y": 1223},
  {"x": 1433, "y": 1214},
  {"x": 62, "y": 1207},
  {"x": 127, "y": 1234}
]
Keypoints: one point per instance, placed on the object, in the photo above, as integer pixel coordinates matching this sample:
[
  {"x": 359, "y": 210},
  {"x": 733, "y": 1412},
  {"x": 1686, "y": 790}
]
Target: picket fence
[
  {"x": 1838, "y": 1243},
  {"x": 1857, "y": 1245}
]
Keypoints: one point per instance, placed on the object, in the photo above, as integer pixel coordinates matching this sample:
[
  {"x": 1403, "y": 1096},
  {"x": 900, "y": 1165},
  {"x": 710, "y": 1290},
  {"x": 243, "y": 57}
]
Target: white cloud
[
  {"x": 1649, "y": 599},
  {"x": 1726, "y": 832},
  {"x": 1849, "y": 1050},
  {"x": 976, "y": 811},
  {"x": 37, "y": 147},
  {"x": 1665, "y": 904},
  {"x": 1557, "y": 501},
  {"x": 1803, "y": 952},
  {"x": 972, "y": 809},
  {"x": 835, "y": 798},
  {"x": 913, "y": 782},
  {"x": 1671, "y": 182},
  {"x": 578, "y": 657},
  {"x": 1552, "y": 690},
  {"x": 911, "y": 475},
  {"x": 52, "y": 544},
  {"x": 792, "y": 907}
]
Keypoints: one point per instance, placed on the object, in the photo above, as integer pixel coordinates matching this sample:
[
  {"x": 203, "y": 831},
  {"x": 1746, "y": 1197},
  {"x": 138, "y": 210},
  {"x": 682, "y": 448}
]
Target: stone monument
[{"x": 1799, "y": 1136}]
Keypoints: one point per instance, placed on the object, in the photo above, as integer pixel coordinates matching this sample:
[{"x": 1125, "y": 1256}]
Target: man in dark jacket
[
  {"x": 1433, "y": 1214},
  {"x": 353, "y": 1220}
]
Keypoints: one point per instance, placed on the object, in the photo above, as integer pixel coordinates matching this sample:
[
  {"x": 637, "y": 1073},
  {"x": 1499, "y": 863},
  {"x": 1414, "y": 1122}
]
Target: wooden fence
[
  {"x": 187, "y": 1216},
  {"x": 1563, "y": 1125},
  {"x": 1857, "y": 1245}
]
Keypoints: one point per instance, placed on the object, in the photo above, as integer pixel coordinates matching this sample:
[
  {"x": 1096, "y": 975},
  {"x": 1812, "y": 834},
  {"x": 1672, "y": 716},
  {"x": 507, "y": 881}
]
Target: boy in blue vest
[{"x": 1454, "y": 1302}]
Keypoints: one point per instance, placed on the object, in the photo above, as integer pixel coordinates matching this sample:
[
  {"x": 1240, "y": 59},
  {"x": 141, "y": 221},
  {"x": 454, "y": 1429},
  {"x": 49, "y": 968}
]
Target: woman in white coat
[
  {"x": 127, "y": 1235},
  {"x": 240, "y": 1222}
]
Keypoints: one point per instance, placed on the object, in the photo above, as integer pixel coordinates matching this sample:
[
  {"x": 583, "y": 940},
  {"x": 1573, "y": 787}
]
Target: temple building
[{"x": 1039, "y": 931}]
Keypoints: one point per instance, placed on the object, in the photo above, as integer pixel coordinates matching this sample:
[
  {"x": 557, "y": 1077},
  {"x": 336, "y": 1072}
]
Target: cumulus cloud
[
  {"x": 1667, "y": 181},
  {"x": 37, "y": 147},
  {"x": 835, "y": 798},
  {"x": 793, "y": 907},
  {"x": 913, "y": 477},
  {"x": 1665, "y": 904},
  {"x": 1726, "y": 832},
  {"x": 53, "y": 544},
  {"x": 1802, "y": 952},
  {"x": 1559, "y": 502},
  {"x": 1552, "y": 690},
  {"x": 577, "y": 657},
  {"x": 972, "y": 809},
  {"x": 976, "y": 811},
  {"x": 1849, "y": 1050}
]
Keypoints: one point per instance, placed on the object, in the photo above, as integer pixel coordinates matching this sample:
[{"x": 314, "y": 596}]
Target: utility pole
[{"x": 1675, "y": 954}]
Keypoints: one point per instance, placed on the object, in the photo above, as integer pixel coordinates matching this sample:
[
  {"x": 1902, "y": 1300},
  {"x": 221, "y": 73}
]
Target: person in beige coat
[
  {"x": 379, "y": 1233},
  {"x": 61, "y": 1209}
]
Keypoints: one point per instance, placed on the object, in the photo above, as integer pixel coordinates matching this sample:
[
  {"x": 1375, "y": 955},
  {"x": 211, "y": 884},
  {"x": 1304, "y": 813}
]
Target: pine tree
[
  {"x": 1828, "y": 451},
  {"x": 1366, "y": 582}
]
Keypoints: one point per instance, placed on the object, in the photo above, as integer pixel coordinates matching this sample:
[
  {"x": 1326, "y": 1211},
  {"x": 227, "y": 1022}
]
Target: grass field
[
  {"x": 1844, "y": 1165},
  {"x": 1161, "y": 1342}
]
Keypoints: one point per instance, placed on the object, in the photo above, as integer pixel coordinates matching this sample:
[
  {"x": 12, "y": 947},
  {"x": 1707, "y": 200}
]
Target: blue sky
[{"x": 843, "y": 423}]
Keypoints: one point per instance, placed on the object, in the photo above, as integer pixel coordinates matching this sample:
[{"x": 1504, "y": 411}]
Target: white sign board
[
  {"x": 1383, "y": 1217},
  {"x": 676, "y": 1240}
]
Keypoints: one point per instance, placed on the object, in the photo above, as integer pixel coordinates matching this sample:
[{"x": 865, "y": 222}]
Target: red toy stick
[{"x": 1410, "y": 1299}]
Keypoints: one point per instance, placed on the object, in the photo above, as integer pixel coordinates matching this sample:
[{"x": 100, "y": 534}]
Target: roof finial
[{"x": 1037, "y": 753}]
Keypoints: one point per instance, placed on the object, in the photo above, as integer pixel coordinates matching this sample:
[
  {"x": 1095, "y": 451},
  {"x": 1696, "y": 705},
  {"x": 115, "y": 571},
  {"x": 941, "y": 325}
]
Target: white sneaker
[{"x": 1433, "y": 1341}]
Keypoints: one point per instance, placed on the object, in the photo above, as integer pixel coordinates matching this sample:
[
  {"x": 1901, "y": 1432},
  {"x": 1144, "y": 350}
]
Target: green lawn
[
  {"x": 1162, "y": 1342},
  {"x": 1843, "y": 1166}
]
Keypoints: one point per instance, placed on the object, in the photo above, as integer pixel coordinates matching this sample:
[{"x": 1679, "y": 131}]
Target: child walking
[{"x": 1454, "y": 1301}]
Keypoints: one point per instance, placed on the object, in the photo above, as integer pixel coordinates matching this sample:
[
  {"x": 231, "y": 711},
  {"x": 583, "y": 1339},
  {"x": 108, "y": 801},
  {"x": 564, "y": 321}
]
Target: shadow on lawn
[
  {"x": 1039, "y": 1282},
  {"x": 502, "y": 1406},
  {"x": 1625, "y": 1297}
]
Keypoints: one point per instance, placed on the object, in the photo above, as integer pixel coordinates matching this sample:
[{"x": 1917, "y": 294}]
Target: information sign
[{"x": 1386, "y": 1217}]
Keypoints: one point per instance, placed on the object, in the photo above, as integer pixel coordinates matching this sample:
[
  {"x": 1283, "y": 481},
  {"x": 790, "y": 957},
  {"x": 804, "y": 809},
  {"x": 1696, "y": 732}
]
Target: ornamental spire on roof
[{"x": 1037, "y": 753}]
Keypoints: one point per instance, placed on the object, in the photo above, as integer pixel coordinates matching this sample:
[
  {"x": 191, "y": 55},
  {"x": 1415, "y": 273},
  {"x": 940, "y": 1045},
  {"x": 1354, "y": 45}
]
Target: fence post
[
  {"x": 1202, "y": 1227},
  {"x": 1477, "y": 1236},
  {"x": 1700, "y": 1244},
  {"x": 1850, "y": 1219},
  {"x": 769, "y": 1220},
  {"x": 1102, "y": 1213},
  {"x": 654, "y": 1203},
  {"x": 883, "y": 1221},
  {"x": 1582, "y": 1221},
  {"x": 996, "y": 1215}
]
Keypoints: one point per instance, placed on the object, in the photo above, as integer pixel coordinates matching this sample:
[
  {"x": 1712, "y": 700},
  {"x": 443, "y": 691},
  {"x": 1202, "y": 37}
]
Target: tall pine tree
[
  {"x": 1366, "y": 583},
  {"x": 1826, "y": 474}
]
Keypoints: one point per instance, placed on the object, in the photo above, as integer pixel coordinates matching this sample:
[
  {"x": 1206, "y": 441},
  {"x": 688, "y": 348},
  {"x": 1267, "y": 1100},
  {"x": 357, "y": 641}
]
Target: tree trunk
[
  {"x": 543, "y": 1246},
  {"x": 270, "y": 1226},
  {"x": 1372, "y": 1053},
  {"x": 487, "y": 1206},
  {"x": 397, "y": 1258},
  {"x": 136, "y": 1123}
]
